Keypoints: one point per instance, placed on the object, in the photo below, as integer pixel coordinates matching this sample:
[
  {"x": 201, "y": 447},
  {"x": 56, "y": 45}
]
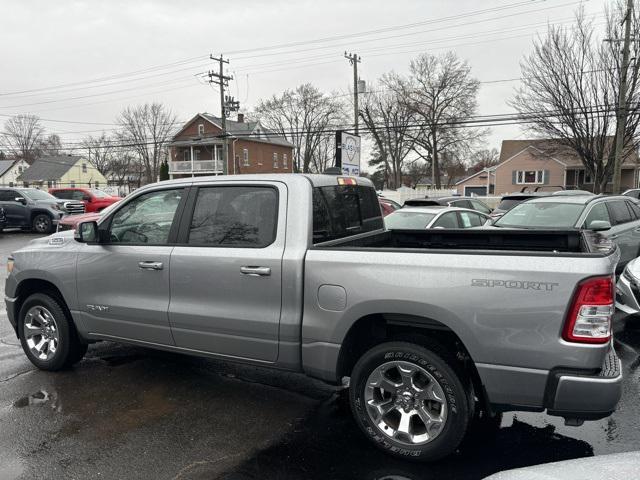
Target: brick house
[
  {"x": 197, "y": 149},
  {"x": 528, "y": 164}
]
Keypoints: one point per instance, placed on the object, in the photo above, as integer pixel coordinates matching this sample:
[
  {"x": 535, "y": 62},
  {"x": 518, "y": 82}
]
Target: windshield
[
  {"x": 400, "y": 220},
  {"x": 34, "y": 194},
  {"x": 507, "y": 203},
  {"x": 99, "y": 193},
  {"x": 541, "y": 215}
]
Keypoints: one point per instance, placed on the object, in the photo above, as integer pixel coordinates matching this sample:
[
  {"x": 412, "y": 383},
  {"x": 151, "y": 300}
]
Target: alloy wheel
[{"x": 41, "y": 333}]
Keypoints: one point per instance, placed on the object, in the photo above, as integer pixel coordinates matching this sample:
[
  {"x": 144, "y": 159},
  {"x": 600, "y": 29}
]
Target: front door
[
  {"x": 123, "y": 284},
  {"x": 226, "y": 278},
  {"x": 16, "y": 212},
  {"x": 625, "y": 229}
]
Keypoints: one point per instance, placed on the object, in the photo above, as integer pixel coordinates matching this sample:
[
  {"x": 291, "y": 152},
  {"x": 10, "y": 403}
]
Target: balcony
[{"x": 197, "y": 166}]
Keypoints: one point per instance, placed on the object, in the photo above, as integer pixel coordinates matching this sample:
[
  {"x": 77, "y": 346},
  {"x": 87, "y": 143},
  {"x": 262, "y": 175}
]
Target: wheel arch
[{"x": 29, "y": 286}]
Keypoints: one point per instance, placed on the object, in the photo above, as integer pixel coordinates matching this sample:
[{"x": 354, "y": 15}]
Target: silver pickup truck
[{"x": 430, "y": 330}]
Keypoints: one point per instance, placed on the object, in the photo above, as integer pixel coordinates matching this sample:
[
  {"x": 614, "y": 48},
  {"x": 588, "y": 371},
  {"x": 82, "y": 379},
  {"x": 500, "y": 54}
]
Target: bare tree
[
  {"x": 302, "y": 116},
  {"x": 570, "y": 89},
  {"x": 389, "y": 123},
  {"x": 441, "y": 93},
  {"x": 484, "y": 158},
  {"x": 145, "y": 129},
  {"x": 100, "y": 152},
  {"x": 23, "y": 135},
  {"x": 51, "y": 146}
]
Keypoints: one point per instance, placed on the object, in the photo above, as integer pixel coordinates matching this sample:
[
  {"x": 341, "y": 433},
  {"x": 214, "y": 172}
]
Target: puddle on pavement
[{"x": 327, "y": 444}]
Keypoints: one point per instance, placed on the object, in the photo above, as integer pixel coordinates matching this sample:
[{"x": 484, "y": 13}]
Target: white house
[{"x": 10, "y": 170}]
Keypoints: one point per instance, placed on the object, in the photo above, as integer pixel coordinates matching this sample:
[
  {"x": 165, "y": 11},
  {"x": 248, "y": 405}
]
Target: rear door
[{"x": 226, "y": 272}]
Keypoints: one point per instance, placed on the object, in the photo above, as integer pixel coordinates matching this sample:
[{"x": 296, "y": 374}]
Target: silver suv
[{"x": 615, "y": 217}]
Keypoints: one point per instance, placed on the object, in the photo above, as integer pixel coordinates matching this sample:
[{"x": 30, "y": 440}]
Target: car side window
[
  {"x": 7, "y": 196},
  {"x": 62, "y": 194},
  {"x": 447, "y": 220},
  {"x": 635, "y": 208},
  {"x": 77, "y": 195},
  {"x": 619, "y": 212},
  {"x": 481, "y": 207},
  {"x": 146, "y": 219},
  {"x": 470, "y": 219},
  {"x": 234, "y": 217},
  {"x": 598, "y": 212},
  {"x": 461, "y": 204}
]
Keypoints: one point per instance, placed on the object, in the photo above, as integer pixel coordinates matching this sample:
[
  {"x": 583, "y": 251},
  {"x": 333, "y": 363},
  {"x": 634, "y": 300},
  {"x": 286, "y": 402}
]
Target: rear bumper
[{"x": 587, "y": 397}]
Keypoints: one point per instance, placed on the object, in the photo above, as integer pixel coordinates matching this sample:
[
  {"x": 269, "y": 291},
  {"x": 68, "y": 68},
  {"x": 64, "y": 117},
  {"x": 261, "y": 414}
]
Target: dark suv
[{"x": 33, "y": 209}]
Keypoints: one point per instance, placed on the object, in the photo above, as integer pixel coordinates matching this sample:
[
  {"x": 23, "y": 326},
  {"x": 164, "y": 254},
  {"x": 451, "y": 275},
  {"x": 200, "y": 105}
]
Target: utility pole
[
  {"x": 621, "y": 119},
  {"x": 223, "y": 81},
  {"x": 354, "y": 60}
]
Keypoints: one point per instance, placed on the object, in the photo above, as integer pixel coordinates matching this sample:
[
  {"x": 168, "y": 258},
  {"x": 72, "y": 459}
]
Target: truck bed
[{"x": 567, "y": 242}]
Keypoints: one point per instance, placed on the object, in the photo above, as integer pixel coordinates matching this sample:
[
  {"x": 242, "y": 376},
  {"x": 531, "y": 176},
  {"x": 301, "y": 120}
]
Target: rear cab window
[{"x": 343, "y": 210}]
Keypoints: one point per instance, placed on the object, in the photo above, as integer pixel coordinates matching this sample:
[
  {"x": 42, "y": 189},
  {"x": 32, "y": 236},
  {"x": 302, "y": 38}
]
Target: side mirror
[
  {"x": 599, "y": 225},
  {"x": 21, "y": 200},
  {"x": 87, "y": 232}
]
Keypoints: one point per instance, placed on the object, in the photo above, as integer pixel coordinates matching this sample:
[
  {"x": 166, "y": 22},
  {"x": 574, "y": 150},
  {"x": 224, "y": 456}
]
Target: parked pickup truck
[{"x": 430, "y": 329}]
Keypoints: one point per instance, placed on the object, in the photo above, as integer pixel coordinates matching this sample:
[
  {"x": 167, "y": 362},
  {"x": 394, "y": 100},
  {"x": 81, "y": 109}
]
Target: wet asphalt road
[{"x": 129, "y": 412}]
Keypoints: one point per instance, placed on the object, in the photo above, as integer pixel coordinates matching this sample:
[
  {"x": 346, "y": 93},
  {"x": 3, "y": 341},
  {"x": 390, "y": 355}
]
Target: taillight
[{"x": 589, "y": 318}]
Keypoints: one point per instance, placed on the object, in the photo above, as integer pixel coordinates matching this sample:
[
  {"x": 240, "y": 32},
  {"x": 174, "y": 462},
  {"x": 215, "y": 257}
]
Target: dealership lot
[{"x": 127, "y": 409}]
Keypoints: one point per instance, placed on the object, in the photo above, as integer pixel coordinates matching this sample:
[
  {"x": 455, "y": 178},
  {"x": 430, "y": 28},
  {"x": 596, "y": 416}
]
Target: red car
[
  {"x": 94, "y": 200},
  {"x": 70, "y": 222}
]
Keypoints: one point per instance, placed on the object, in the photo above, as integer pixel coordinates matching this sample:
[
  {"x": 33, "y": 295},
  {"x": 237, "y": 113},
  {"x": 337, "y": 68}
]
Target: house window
[
  {"x": 49, "y": 184},
  {"x": 201, "y": 129},
  {"x": 97, "y": 184},
  {"x": 527, "y": 177},
  {"x": 84, "y": 168},
  {"x": 587, "y": 177},
  {"x": 284, "y": 161},
  {"x": 245, "y": 157},
  {"x": 73, "y": 184},
  {"x": 275, "y": 160},
  {"x": 196, "y": 154},
  {"x": 185, "y": 155},
  {"x": 20, "y": 169}
]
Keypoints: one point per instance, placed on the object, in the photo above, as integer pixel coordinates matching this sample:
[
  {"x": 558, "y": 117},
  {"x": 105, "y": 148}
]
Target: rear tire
[
  {"x": 47, "y": 334},
  {"x": 42, "y": 223},
  {"x": 410, "y": 401}
]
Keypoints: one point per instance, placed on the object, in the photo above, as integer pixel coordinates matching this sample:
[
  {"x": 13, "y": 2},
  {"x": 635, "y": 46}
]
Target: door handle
[
  {"x": 256, "y": 271},
  {"x": 150, "y": 265}
]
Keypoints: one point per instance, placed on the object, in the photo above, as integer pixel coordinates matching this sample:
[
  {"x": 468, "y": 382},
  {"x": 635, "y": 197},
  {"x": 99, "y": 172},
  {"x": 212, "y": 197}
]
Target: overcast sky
[{"x": 106, "y": 55}]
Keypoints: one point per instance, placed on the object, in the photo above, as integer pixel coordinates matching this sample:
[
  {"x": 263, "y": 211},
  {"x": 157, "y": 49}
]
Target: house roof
[
  {"x": 5, "y": 165},
  {"x": 252, "y": 131},
  {"x": 49, "y": 168},
  {"x": 553, "y": 148}
]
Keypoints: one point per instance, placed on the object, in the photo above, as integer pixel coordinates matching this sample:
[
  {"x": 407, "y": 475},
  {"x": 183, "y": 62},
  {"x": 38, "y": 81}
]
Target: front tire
[
  {"x": 410, "y": 401},
  {"x": 47, "y": 334},
  {"x": 42, "y": 223}
]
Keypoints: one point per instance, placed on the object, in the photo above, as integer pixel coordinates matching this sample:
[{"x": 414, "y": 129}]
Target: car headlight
[
  {"x": 9, "y": 265},
  {"x": 55, "y": 206}
]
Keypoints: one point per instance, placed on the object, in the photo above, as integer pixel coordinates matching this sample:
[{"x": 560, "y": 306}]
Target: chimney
[{"x": 240, "y": 117}]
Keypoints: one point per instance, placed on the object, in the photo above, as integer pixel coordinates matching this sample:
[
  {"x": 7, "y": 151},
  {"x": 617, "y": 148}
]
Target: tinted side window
[
  {"x": 619, "y": 212},
  {"x": 147, "y": 219},
  {"x": 481, "y": 207},
  {"x": 62, "y": 194},
  {"x": 234, "y": 217},
  {"x": 461, "y": 204},
  {"x": 7, "y": 196},
  {"x": 635, "y": 208},
  {"x": 448, "y": 220},
  {"x": 598, "y": 212}
]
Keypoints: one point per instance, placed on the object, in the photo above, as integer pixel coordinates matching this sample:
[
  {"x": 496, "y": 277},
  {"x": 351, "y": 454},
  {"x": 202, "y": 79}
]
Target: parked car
[
  {"x": 628, "y": 289},
  {"x": 388, "y": 206},
  {"x": 70, "y": 222},
  {"x": 94, "y": 200},
  {"x": 633, "y": 193},
  {"x": 231, "y": 267},
  {"x": 438, "y": 216},
  {"x": 460, "y": 202},
  {"x": 509, "y": 201},
  {"x": 33, "y": 209},
  {"x": 615, "y": 217}
]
